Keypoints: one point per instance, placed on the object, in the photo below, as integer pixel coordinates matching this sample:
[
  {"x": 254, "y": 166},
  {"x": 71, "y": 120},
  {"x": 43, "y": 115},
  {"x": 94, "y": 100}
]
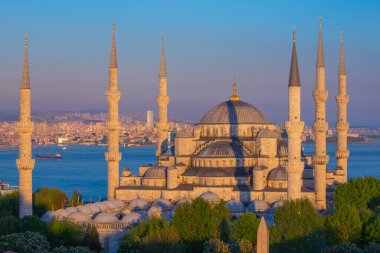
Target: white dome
[
  {"x": 102, "y": 206},
  {"x": 105, "y": 218},
  {"x": 78, "y": 216},
  {"x": 257, "y": 206},
  {"x": 48, "y": 216},
  {"x": 132, "y": 218},
  {"x": 71, "y": 209},
  {"x": 138, "y": 204},
  {"x": 155, "y": 211},
  {"x": 210, "y": 197},
  {"x": 163, "y": 203},
  {"x": 181, "y": 201},
  {"x": 118, "y": 202},
  {"x": 62, "y": 213},
  {"x": 277, "y": 204},
  {"x": 85, "y": 209},
  {"x": 235, "y": 206},
  {"x": 110, "y": 204},
  {"x": 93, "y": 207}
]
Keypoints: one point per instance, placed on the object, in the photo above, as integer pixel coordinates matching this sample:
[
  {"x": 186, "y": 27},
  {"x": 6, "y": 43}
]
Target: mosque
[{"x": 233, "y": 154}]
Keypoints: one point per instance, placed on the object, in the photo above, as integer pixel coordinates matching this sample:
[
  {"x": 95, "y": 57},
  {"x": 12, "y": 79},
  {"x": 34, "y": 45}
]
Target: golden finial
[
  {"x": 26, "y": 40},
  {"x": 294, "y": 34},
  {"x": 320, "y": 23},
  {"x": 234, "y": 96},
  {"x": 341, "y": 36}
]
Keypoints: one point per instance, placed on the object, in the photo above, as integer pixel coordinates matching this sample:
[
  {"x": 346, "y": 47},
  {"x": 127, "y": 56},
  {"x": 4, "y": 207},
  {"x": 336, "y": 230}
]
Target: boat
[{"x": 48, "y": 156}]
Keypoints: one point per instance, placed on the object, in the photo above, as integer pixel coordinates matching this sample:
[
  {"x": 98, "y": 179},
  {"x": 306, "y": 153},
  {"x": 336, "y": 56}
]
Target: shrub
[
  {"x": 91, "y": 239},
  {"x": 372, "y": 229},
  {"x": 27, "y": 242},
  {"x": 46, "y": 199},
  {"x": 63, "y": 249},
  {"x": 216, "y": 246},
  {"x": 64, "y": 233},
  {"x": 9, "y": 204},
  {"x": 9, "y": 225},
  {"x": 33, "y": 223},
  {"x": 343, "y": 248},
  {"x": 372, "y": 248}
]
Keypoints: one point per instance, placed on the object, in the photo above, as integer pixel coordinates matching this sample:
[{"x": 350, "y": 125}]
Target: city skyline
[{"x": 69, "y": 74}]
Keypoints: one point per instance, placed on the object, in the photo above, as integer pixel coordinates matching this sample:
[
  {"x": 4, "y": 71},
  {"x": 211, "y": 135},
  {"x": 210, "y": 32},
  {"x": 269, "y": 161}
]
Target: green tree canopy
[
  {"x": 46, "y": 199},
  {"x": 9, "y": 204},
  {"x": 9, "y": 225},
  {"x": 246, "y": 227},
  {"x": 343, "y": 248},
  {"x": 64, "y": 233},
  {"x": 372, "y": 229}
]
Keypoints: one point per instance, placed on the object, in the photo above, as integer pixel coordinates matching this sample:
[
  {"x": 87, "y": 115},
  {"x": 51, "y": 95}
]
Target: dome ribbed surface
[
  {"x": 278, "y": 174},
  {"x": 234, "y": 112},
  {"x": 223, "y": 149},
  {"x": 155, "y": 172}
]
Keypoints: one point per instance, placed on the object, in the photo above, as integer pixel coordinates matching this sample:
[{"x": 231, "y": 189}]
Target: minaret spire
[
  {"x": 163, "y": 73},
  {"x": 294, "y": 76},
  {"x": 234, "y": 96},
  {"x": 320, "y": 127},
  {"x": 342, "y": 64},
  {"x": 113, "y": 57},
  {"x": 25, "y": 81}
]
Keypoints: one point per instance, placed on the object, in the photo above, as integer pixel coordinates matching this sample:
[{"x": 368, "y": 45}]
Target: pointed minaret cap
[
  {"x": 163, "y": 73},
  {"x": 25, "y": 81},
  {"x": 342, "y": 64},
  {"x": 113, "y": 58},
  {"x": 320, "y": 56},
  {"x": 294, "y": 76},
  {"x": 234, "y": 96}
]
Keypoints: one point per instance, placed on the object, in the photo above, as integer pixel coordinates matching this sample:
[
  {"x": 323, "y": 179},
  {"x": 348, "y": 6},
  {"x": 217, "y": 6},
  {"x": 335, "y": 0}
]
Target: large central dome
[{"x": 234, "y": 112}]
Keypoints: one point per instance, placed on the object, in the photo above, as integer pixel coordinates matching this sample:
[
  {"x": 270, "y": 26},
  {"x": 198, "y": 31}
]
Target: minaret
[
  {"x": 113, "y": 156},
  {"x": 262, "y": 237},
  {"x": 25, "y": 163},
  {"x": 294, "y": 128},
  {"x": 320, "y": 127},
  {"x": 342, "y": 125},
  {"x": 162, "y": 102}
]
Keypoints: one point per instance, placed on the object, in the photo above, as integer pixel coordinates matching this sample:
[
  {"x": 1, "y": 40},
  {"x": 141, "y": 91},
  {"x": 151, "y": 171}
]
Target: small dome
[
  {"x": 117, "y": 202},
  {"x": 155, "y": 211},
  {"x": 278, "y": 174},
  {"x": 235, "y": 206},
  {"x": 163, "y": 203},
  {"x": 138, "y": 204},
  {"x": 126, "y": 172},
  {"x": 102, "y": 206},
  {"x": 266, "y": 133},
  {"x": 48, "y": 216},
  {"x": 234, "y": 112},
  {"x": 181, "y": 201},
  {"x": 105, "y": 218},
  {"x": 155, "y": 172},
  {"x": 210, "y": 197},
  {"x": 78, "y": 216},
  {"x": 257, "y": 206},
  {"x": 278, "y": 203},
  {"x": 85, "y": 209},
  {"x": 110, "y": 204},
  {"x": 223, "y": 149},
  {"x": 132, "y": 218},
  {"x": 93, "y": 207},
  {"x": 168, "y": 216}
]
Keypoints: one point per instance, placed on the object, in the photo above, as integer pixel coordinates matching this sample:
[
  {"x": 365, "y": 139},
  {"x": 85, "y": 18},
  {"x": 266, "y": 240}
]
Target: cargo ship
[{"x": 48, "y": 156}]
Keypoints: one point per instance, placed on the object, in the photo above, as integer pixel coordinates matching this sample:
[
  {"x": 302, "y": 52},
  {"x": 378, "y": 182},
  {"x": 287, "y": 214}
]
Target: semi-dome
[
  {"x": 223, "y": 149},
  {"x": 211, "y": 197},
  {"x": 257, "y": 205},
  {"x": 132, "y": 218},
  {"x": 105, "y": 218},
  {"x": 78, "y": 216},
  {"x": 234, "y": 112},
  {"x": 278, "y": 174},
  {"x": 277, "y": 204},
  {"x": 235, "y": 206},
  {"x": 155, "y": 172}
]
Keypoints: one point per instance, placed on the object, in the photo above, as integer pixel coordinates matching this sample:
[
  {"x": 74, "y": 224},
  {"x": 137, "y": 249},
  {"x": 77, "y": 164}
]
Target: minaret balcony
[
  {"x": 320, "y": 159},
  {"x": 342, "y": 99},
  {"x": 342, "y": 154},
  {"x": 163, "y": 100},
  {"x": 342, "y": 126},
  {"x": 25, "y": 126},
  {"x": 113, "y": 156},
  {"x": 320, "y": 126},
  {"x": 294, "y": 126},
  {"x": 25, "y": 164},
  {"x": 112, "y": 126},
  {"x": 320, "y": 95},
  {"x": 113, "y": 95}
]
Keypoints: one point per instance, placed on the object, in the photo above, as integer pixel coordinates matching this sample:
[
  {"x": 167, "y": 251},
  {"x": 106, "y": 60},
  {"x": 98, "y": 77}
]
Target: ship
[{"x": 48, "y": 156}]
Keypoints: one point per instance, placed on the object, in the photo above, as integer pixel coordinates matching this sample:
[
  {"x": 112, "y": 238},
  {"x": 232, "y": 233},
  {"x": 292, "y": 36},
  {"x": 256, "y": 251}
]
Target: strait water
[{"x": 84, "y": 167}]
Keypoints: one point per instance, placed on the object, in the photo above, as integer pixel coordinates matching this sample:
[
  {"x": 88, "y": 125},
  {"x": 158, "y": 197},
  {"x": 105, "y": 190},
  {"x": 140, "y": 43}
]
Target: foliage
[
  {"x": 91, "y": 238},
  {"x": 372, "y": 229},
  {"x": 372, "y": 248},
  {"x": 300, "y": 227},
  {"x": 215, "y": 246},
  {"x": 343, "y": 248},
  {"x": 246, "y": 227},
  {"x": 33, "y": 223},
  {"x": 63, "y": 249},
  {"x": 76, "y": 198},
  {"x": 47, "y": 199},
  {"x": 64, "y": 233},
  {"x": 27, "y": 242},
  {"x": 9, "y": 225},
  {"x": 359, "y": 192},
  {"x": 240, "y": 246},
  {"x": 9, "y": 204},
  {"x": 344, "y": 225}
]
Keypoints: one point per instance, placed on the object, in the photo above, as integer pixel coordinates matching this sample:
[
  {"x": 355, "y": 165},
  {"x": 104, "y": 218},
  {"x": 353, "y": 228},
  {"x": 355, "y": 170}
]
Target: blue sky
[{"x": 208, "y": 43}]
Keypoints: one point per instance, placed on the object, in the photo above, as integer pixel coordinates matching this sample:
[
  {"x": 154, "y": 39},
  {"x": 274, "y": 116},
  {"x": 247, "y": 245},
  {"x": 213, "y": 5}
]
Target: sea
[{"x": 84, "y": 168}]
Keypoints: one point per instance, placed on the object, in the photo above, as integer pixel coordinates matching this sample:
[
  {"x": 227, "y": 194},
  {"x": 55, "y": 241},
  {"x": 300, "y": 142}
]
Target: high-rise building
[{"x": 149, "y": 119}]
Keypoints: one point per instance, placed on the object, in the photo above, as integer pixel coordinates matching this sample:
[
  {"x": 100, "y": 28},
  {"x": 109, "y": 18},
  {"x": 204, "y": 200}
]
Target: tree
[
  {"x": 216, "y": 246},
  {"x": 343, "y": 248},
  {"x": 91, "y": 238},
  {"x": 27, "y": 242},
  {"x": 9, "y": 225},
  {"x": 33, "y": 223},
  {"x": 372, "y": 229},
  {"x": 246, "y": 227},
  {"x": 46, "y": 199},
  {"x": 64, "y": 233},
  {"x": 344, "y": 225},
  {"x": 76, "y": 198},
  {"x": 372, "y": 248},
  {"x": 9, "y": 204},
  {"x": 77, "y": 249},
  {"x": 300, "y": 227}
]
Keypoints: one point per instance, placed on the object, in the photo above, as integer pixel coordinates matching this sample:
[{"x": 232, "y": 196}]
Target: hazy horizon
[{"x": 208, "y": 43}]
